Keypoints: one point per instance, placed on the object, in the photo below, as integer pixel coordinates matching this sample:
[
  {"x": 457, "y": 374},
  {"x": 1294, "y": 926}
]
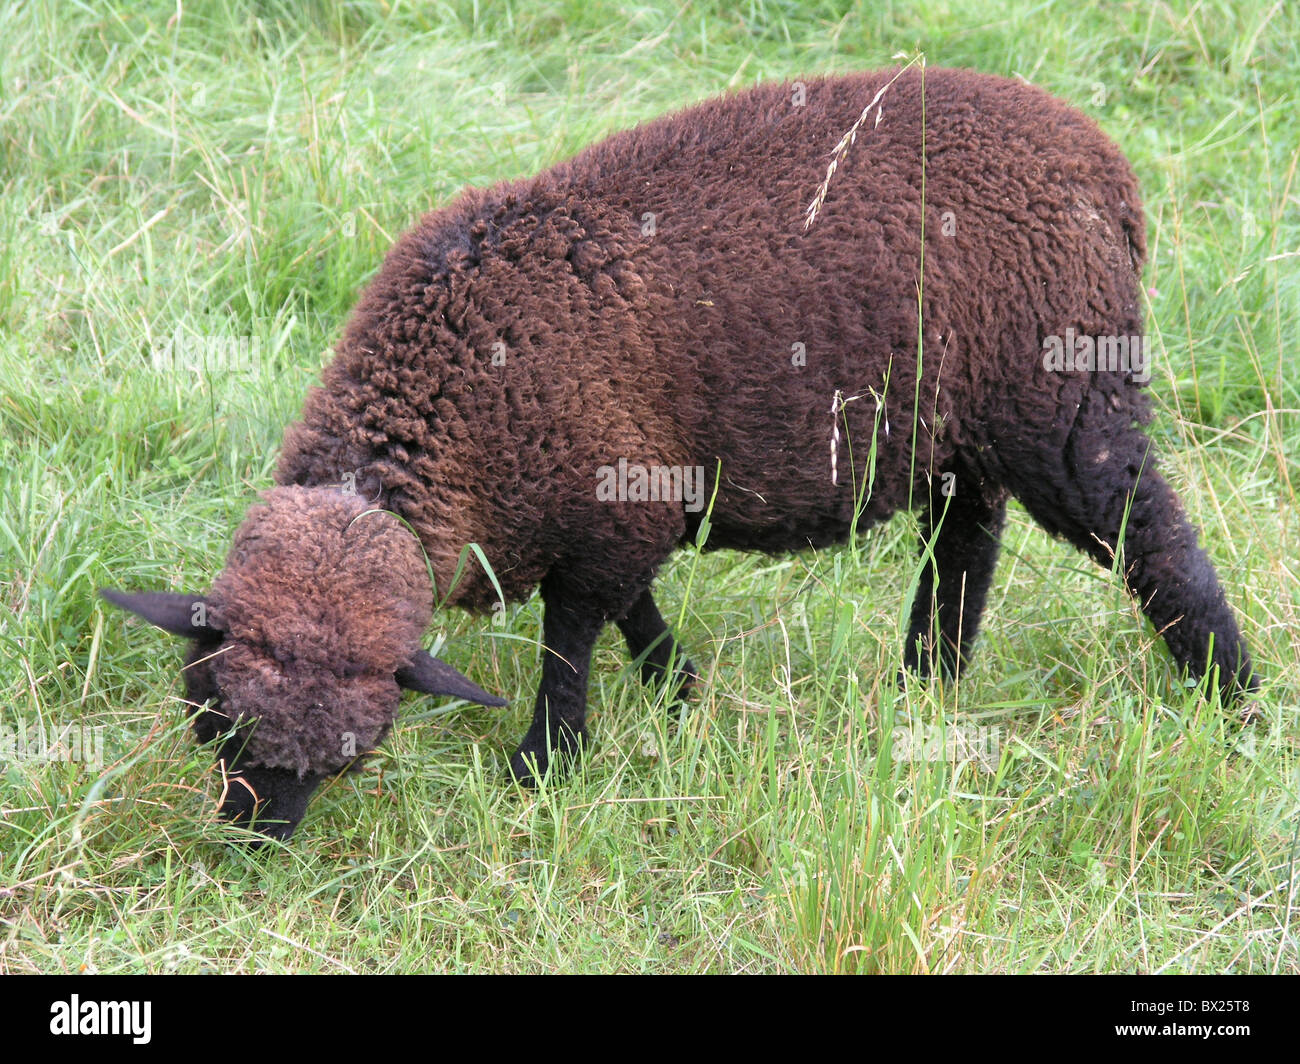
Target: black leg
[
  {"x": 606, "y": 577},
  {"x": 570, "y": 627},
  {"x": 962, "y": 531},
  {"x": 1103, "y": 481},
  {"x": 651, "y": 643}
]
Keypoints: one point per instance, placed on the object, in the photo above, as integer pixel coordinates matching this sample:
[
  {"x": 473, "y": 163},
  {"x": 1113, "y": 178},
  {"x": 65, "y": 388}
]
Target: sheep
[{"x": 545, "y": 367}]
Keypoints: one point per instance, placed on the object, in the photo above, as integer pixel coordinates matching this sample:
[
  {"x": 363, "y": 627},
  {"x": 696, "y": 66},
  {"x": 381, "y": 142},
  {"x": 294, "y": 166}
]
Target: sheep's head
[{"x": 302, "y": 647}]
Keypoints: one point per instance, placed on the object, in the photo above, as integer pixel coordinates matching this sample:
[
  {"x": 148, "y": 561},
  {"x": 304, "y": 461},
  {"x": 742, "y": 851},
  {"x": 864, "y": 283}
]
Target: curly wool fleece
[
  {"x": 662, "y": 299},
  {"x": 322, "y": 599}
]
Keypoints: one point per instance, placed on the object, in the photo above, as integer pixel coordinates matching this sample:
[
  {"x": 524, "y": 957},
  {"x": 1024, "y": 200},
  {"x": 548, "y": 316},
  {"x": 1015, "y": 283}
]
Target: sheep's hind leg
[
  {"x": 653, "y": 645},
  {"x": 1103, "y": 480},
  {"x": 961, "y": 534}
]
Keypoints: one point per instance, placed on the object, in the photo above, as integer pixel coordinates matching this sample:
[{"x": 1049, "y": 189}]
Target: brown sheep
[{"x": 564, "y": 370}]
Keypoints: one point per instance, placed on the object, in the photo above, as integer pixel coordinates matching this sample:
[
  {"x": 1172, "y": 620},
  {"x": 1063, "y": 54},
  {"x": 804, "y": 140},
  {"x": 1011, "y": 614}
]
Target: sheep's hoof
[
  {"x": 535, "y": 761},
  {"x": 685, "y": 677},
  {"x": 683, "y": 684}
]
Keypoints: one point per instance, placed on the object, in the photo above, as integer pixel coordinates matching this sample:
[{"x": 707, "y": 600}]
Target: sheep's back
[
  {"x": 1031, "y": 222},
  {"x": 660, "y": 298}
]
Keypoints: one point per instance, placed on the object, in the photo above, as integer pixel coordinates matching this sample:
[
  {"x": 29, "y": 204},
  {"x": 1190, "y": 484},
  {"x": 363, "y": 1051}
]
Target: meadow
[{"x": 223, "y": 178}]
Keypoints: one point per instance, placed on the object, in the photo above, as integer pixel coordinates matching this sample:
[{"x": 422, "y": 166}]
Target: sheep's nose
[
  {"x": 239, "y": 802},
  {"x": 241, "y": 809},
  {"x": 271, "y": 801},
  {"x": 280, "y": 830}
]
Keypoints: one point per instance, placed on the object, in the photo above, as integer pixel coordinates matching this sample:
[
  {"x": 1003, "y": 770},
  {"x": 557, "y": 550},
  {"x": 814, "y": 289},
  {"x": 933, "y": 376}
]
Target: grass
[{"x": 228, "y": 175}]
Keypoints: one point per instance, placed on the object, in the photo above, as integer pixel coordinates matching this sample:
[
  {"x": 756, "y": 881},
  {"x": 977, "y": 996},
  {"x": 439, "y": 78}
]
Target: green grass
[{"x": 236, "y": 174}]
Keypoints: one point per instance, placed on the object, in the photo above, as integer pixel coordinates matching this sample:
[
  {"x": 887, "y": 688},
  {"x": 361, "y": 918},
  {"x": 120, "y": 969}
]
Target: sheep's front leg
[
  {"x": 569, "y": 631},
  {"x": 962, "y": 532},
  {"x": 651, "y": 643}
]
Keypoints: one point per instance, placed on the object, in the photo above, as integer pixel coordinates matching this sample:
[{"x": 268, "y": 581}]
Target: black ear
[
  {"x": 171, "y": 611},
  {"x": 426, "y": 673}
]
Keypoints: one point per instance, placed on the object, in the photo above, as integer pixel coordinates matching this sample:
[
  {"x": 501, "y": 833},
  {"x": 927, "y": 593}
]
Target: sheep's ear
[
  {"x": 426, "y": 673},
  {"x": 171, "y": 611}
]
